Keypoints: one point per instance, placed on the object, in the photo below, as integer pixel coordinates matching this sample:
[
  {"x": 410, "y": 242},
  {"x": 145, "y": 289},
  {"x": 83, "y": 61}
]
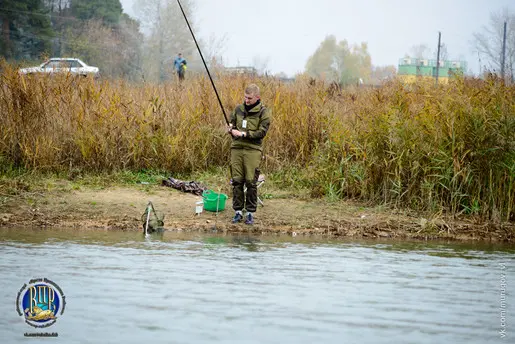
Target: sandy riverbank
[{"x": 120, "y": 208}]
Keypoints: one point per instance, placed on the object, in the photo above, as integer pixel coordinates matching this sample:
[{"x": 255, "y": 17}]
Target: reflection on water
[{"x": 193, "y": 288}]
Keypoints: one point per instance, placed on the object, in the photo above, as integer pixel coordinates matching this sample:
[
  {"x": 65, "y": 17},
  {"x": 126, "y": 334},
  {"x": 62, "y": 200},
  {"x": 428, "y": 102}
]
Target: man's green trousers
[{"x": 245, "y": 171}]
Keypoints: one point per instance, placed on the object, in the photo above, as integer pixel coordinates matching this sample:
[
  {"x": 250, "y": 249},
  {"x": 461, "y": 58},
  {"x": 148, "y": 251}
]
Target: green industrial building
[{"x": 412, "y": 69}]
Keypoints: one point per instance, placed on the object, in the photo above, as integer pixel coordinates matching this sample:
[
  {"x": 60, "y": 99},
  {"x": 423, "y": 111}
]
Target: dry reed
[{"x": 446, "y": 148}]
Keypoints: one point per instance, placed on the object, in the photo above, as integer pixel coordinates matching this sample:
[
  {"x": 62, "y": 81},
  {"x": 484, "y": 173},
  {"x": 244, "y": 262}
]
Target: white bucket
[{"x": 199, "y": 206}]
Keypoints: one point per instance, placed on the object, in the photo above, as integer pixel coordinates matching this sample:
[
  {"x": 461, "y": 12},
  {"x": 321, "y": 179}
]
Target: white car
[{"x": 60, "y": 65}]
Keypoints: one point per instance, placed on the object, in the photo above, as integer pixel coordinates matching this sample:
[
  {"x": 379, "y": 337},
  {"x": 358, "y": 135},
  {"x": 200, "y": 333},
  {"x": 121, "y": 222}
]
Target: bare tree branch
[{"x": 489, "y": 41}]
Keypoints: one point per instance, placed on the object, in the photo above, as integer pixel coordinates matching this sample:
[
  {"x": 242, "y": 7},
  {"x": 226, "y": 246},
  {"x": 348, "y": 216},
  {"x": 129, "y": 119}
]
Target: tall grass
[{"x": 448, "y": 148}]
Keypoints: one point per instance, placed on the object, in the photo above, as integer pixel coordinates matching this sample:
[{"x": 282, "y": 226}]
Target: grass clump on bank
[{"x": 440, "y": 149}]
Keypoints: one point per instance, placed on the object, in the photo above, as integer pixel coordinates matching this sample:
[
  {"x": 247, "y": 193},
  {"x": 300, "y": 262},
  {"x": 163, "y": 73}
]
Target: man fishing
[{"x": 248, "y": 126}]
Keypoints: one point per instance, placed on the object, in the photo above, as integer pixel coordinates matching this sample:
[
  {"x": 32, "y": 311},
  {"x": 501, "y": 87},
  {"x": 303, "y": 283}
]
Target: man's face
[{"x": 250, "y": 99}]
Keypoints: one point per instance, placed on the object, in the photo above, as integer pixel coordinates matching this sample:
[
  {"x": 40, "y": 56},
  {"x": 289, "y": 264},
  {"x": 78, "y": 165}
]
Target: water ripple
[{"x": 254, "y": 290}]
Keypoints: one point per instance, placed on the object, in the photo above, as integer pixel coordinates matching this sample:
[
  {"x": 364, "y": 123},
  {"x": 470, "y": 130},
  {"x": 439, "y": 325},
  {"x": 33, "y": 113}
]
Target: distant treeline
[{"x": 94, "y": 30}]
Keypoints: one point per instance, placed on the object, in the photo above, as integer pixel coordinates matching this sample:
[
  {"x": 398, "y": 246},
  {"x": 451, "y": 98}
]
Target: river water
[{"x": 212, "y": 288}]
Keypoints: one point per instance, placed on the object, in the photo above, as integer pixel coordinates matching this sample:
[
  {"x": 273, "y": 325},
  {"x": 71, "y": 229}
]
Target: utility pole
[
  {"x": 160, "y": 54},
  {"x": 503, "y": 54},
  {"x": 479, "y": 63},
  {"x": 438, "y": 56}
]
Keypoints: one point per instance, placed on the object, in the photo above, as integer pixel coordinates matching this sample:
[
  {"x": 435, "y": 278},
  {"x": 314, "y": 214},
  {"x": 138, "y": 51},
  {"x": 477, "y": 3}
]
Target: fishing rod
[{"x": 201, "y": 56}]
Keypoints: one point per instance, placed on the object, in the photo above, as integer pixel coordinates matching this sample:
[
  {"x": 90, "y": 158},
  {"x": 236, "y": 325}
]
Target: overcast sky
[{"x": 287, "y": 32}]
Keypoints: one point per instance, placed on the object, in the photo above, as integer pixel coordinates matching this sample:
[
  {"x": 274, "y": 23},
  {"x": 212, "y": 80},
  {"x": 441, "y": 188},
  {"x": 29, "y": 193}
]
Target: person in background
[
  {"x": 180, "y": 66},
  {"x": 249, "y": 124}
]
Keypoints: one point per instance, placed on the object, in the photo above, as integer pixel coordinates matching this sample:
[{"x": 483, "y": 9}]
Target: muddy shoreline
[{"x": 121, "y": 208}]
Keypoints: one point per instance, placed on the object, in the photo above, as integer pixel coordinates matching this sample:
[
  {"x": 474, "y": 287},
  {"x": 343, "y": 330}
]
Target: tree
[
  {"x": 61, "y": 18},
  {"x": 489, "y": 42},
  {"x": 420, "y": 51},
  {"x": 167, "y": 34},
  {"x": 131, "y": 38},
  {"x": 444, "y": 54},
  {"x": 324, "y": 63},
  {"x": 26, "y": 29},
  {"x": 10, "y": 14},
  {"x": 357, "y": 63},
  {"x": 109, "y": 11},
  {"x": 57, "y": 5},
  {"x": 339, "y": 62},
  {"x": 37, "y": 31},
  {"x": 382, "y": 73},
  {"x": 213, "y": 50},
  {"x": 261, "y": 64},
  {"x": 99, "y": 33},
  {"x": 116, "y": 51}
]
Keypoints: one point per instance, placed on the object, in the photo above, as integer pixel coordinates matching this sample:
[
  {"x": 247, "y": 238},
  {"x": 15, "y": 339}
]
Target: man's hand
[{"x": 236, "y": 133}]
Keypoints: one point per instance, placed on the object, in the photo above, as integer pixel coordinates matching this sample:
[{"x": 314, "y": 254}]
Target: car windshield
[
  {"x": 62, "y": 64},
  {"x": 52, "y": 65}
]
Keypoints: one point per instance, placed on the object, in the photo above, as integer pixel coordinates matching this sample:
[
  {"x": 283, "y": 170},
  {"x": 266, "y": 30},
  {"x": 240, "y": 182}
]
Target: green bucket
[{"x": 213, "y": 201}]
